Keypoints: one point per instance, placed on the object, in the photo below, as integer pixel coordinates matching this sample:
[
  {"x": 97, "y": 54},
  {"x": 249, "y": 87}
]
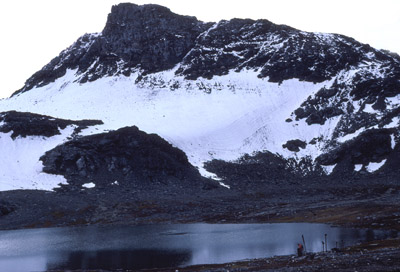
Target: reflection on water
[
  {"x": 120, "y": 259},
  {"x": 155, "y": 246}
]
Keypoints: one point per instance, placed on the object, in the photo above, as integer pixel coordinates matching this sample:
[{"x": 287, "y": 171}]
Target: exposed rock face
[
  {"x": 149, "y": 38},
  {"x": 264, "y": 169},
  {"x": 279, "y": 52},
  {"x": 250, "y": 170},
  {"x": 364, "y": 89},
  {"x": 370, "y": 146},
  {"x": 6, "y": 208},
  {"x": 126, "y": 157},
  {"x": 29, "y": 124},
  {"x": 375, "y": 146}
]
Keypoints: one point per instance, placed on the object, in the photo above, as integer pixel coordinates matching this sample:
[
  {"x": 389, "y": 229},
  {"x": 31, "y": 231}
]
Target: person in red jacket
[{"x": 300, "y": 250}]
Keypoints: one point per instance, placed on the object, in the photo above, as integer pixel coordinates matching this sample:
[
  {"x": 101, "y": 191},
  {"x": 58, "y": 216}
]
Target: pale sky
[{"x": 34, "y": 32}]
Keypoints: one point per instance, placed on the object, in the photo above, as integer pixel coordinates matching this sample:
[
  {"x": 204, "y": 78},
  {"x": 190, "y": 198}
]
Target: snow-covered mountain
[{"x": 221, "y": 92}]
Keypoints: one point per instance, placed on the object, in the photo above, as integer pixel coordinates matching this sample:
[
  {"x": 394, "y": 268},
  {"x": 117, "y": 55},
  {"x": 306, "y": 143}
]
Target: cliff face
[{"x": 150, "y": 37}]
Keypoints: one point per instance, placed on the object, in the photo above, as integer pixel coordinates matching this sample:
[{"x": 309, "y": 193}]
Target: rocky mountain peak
[
  {"x": 127, "y": 14},
  {"x": 147, "y": 38},
  {"x": 150, "y": 37}
]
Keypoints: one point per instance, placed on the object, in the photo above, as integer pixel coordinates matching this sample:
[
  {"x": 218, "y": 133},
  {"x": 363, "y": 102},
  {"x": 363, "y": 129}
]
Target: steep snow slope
[{"x": 222, "y": 118}]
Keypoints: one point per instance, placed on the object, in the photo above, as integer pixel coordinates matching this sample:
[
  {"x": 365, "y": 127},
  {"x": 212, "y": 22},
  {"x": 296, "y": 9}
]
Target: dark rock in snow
[
  {"x": 371, "y": 146},
  {"x": 129, "y": 156},
  {"x": 25, "y": 124},
  {"x": 272, "y": 49},
  {"x": 295, "y": 145},
  {"x": 352, "y": 122},
  {"x": 366, "y": 88}
]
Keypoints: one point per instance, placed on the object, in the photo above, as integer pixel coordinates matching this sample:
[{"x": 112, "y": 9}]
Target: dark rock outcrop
[
  {"x": 295, "y": 145},
  {"x": 366, "y": 88},
  {"x": 30, "y": 124},
  {"x": 261, "y": 168},
  {"x": 279, "y": 52},
  {"x": 150, "y": 36},
  {"x": 127, "y": 157},
  {"x": 6, "y": 208},
  {"x": 371, "y": 146}
]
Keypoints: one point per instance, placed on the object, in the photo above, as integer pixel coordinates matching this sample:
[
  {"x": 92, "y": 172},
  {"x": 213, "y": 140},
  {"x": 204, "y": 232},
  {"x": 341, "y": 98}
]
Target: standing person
[{"x": 300, "y": 250}]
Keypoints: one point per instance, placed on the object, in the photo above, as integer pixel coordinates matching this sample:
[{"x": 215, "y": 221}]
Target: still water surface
[{"x": 152, "y": 246}]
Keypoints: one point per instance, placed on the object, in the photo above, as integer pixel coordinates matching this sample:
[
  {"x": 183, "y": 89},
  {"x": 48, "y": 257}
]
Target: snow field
[
  {"x": 239, "y": 113},
  {"x": 20, "y": 165},
  {"x": 222, "y": 118}
]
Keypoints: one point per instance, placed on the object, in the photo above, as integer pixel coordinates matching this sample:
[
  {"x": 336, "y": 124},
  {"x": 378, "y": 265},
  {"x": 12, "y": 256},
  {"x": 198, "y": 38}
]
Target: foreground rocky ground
[
  {"x": 352, "y": 259},
  {"x": 357, "y": 203}
]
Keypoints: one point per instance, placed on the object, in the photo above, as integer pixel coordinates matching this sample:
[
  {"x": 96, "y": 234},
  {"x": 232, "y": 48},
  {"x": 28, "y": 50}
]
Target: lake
[{"x": 157, "y": 246}]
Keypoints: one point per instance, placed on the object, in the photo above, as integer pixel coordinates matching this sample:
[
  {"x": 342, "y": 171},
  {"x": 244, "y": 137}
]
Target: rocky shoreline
[{"x": 351, "y": 259}]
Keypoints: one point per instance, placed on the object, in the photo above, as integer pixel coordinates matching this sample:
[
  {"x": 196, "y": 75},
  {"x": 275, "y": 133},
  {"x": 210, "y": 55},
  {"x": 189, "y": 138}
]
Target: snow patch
[
  {"x": 392, "y": 102},
  {"x": 208, "y": 174},
  {"x": 374, "y": 166},
  {"x": 224, "y": 185},
  {"x": 358, "y": 167},
  {"x": 350, "y": 136},
  {"x": 328, "y": 169},
  {"x": 395, "y": 123},
  {"x": 89, "y": 185},
  {"x": 368, "y": 109},
  {"x": 392, "y": 141}
]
